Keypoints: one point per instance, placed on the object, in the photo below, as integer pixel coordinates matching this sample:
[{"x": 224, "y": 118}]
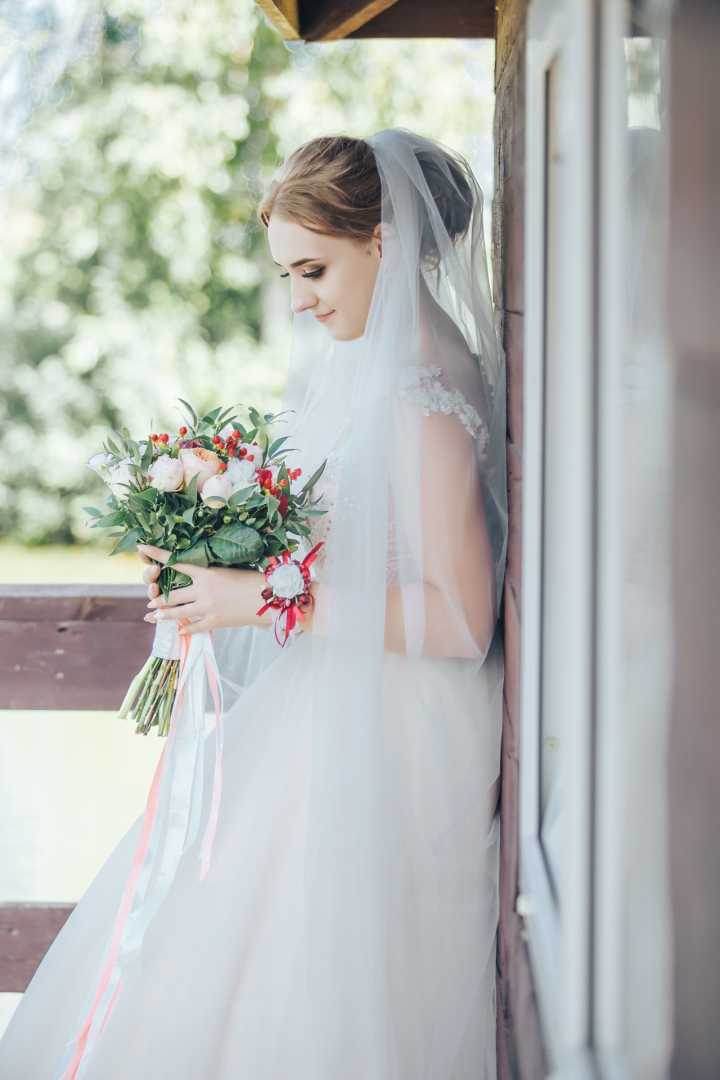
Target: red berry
[
  {"x": 223, "y": 466},
  {"x": 282, "y": 483},
  {"x": 243, "y": 451},
  {"x": 251, "y": 457},
  {"x": 231, "y": 451},
  {"x": 217, "y": 440},
  {"x": 164, "y": 438},
  {"x": 298, "y": 472},
  {"x": 153, "y": 438},
  {"x": 182, "y": 431},
  {"x": 237, "y": 434}
]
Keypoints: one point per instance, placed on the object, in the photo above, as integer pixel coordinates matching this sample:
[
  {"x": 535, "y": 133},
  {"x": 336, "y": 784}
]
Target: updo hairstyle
[{"x": 331, "y": 185}]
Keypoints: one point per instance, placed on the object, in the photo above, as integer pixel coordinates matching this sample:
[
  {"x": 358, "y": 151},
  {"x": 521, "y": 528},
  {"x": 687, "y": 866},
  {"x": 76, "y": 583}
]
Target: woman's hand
[{"x": 219, "y": 596}]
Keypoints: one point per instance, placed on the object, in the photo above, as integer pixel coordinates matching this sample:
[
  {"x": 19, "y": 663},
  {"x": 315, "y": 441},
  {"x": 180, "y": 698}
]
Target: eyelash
[{"x": 311, "y": 274}]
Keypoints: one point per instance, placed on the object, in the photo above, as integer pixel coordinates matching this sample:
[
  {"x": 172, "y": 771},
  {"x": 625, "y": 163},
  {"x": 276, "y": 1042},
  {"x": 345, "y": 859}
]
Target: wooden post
[{"x": 694, "y": 292}]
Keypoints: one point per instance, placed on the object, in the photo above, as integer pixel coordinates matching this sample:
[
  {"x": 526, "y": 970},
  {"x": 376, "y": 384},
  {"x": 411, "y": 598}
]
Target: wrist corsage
[{"x": 288, "y": 594}]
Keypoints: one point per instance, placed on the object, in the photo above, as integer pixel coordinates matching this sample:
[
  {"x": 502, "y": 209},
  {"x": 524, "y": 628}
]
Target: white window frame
[{"x": 576, "y": 955}]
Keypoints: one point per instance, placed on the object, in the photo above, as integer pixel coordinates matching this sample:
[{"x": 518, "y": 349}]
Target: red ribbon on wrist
[{"x": 289, "y": 605}]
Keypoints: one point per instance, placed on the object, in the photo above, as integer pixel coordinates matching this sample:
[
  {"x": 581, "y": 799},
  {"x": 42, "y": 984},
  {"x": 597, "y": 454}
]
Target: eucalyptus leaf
[
  {"x": 92, "y": 511},
  {"x": 314, "y": 479},
  {"x": 129, "y": 542}
]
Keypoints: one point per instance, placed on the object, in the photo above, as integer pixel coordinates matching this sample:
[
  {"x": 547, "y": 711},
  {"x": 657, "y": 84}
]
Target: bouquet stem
[{"x": 149, "y": 701}]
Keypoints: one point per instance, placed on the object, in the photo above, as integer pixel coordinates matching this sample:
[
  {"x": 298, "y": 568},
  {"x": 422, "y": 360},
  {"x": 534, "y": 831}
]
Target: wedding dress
[{"x": 346, "y": 927}]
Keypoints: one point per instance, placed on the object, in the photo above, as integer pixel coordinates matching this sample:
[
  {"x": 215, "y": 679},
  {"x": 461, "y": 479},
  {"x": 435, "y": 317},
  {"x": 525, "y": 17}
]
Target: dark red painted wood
[
  {"x": 26, "y": 933},
  {"x": 70, "y": 646}
]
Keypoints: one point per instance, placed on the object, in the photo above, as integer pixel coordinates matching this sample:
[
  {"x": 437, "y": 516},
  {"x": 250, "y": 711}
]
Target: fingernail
[{"x": 153, "y": 604}]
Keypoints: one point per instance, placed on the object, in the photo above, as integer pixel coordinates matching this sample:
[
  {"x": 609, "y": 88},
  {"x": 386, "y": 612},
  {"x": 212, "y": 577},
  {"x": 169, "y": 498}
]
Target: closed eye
[
  {"x": 284, "y": 275},
  {"x": 315, "y": 273}
]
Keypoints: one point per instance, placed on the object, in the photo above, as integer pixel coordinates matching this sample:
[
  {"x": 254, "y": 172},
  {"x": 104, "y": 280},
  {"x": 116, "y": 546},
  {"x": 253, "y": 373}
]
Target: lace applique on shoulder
[{"x": 421, "y": 385}]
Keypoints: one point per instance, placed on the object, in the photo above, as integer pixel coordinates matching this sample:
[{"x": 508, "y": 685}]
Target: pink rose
[{"x": 199, "y": 462}]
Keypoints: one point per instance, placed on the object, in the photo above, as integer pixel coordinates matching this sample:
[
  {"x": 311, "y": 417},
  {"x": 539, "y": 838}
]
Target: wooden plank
[
  {"x": 428, "y": 19},
  {"x": 283, "y": 14},
  {"x": 70, "y": 646},
  {"x": 26, "y": 933},
  {"x": 694, "y": 766},
  {"x": 333, "y": 20}
]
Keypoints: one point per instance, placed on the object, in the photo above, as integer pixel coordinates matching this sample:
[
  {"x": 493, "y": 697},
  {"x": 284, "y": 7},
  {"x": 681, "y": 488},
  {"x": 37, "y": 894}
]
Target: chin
[{"x": 344, "y": 333}]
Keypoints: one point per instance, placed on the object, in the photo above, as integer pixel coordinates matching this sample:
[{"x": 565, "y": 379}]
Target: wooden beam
[
  {"x": 283, "y": 14},
  {"x": 333, "y": 20},
  {"x": 70, "y": 646},
  {"x": 429, "y": 19},
  {"x": 26, "y": 933}
]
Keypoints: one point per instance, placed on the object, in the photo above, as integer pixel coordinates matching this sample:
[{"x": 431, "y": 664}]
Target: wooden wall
[
  {"x": 694, "y": 291},
  {"x": 521, "y": 1054}
]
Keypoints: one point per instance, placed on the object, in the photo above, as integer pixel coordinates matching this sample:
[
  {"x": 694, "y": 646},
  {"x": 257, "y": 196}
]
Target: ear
[{"x": 378, "y": 238}]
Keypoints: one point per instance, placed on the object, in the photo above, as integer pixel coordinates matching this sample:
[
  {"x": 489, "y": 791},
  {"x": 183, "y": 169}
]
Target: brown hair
[{"x": 331, "y": 185}]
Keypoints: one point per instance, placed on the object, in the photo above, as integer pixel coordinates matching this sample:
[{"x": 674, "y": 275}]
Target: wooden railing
[{"x": 62, "y": 647}]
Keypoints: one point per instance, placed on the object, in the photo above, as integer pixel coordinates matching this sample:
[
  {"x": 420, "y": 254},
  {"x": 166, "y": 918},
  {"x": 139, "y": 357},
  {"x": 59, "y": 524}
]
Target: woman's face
[{"x": 332, "y": 276}]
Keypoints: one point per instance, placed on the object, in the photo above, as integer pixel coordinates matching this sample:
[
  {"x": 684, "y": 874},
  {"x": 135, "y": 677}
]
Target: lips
[{"x": 322, "y": 318}]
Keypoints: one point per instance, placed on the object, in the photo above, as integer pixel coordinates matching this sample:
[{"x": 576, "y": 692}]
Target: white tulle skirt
[{"x": 223, "y": 994}]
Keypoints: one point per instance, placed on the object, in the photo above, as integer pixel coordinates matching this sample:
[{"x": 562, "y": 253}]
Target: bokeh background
[{"x": 134, "y": 269}]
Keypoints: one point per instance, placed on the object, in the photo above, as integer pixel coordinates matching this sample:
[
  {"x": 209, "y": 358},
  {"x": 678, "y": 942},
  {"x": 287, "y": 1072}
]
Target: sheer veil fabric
[{"x": 346, "y": 929}]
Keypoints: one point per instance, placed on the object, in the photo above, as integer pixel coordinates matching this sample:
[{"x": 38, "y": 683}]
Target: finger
[
  {"x": 153, "y": 591},
  {"x": 196, "y": 627},
  {"x": 184, "y": 611},
  {"x": 155, "y": 553},
  {"x": 152, "y": 573},
  {"x": 185, "y": 595},
  {"x": 189, "y": 570}
]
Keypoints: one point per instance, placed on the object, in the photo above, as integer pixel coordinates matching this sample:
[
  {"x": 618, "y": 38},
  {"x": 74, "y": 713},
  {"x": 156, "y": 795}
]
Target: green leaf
[
  {"x": 239, "y": 496},
  {"x": 113, "y": 448},
  {"x": 147, "y": 457},
  {"x": 197, "y": 556},
  {"x": 92, "y": 511},
  {"x": 128, "y": 543},
  {"x": 273, "y": 449},
  {"x": 190, "y": 410},
  {"x": 314, "y": 479},
  {"x": 235, "y": 544},
  {"x": 189, "y": 515},
  {"x": 119, "y": 517}
]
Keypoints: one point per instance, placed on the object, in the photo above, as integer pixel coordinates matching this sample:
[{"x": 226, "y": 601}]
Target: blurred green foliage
[{"x": 133, "y": 269}]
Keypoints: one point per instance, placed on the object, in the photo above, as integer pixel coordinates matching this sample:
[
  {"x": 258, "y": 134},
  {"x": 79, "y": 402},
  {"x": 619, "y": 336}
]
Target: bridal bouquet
[{"x": 218, "y": 492}]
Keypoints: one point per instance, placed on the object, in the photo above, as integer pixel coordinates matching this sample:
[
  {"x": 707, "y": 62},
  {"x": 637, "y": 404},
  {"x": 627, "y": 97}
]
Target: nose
[{"x": 302, "y": 297}]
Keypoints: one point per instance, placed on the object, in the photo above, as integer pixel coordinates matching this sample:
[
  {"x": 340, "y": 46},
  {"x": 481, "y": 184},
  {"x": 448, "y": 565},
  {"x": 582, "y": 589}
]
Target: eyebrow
[{"x": 300, "y": 262}]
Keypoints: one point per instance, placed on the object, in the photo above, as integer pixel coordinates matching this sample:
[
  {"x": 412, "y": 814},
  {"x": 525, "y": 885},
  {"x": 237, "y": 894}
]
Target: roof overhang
[{"x": 332, "y": 20}]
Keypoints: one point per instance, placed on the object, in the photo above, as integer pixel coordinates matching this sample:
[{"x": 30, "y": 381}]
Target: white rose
[
  {"x": 217, "y": 488},
  {"x": 121, "y": 478},
  {"x": 166, "y": 473},
  {"x": 286, "y": 581},
  {"x": 99, "y": 463},
  {"x": 241, "y": 472}
]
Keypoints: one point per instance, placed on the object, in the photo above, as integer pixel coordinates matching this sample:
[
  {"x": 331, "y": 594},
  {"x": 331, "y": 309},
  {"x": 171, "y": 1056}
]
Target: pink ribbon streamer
[{"x": 83, "y": 1044}]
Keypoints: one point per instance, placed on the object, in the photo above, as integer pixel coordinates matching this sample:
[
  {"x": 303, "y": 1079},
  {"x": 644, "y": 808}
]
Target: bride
[{"x": 346, "y": 927}]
